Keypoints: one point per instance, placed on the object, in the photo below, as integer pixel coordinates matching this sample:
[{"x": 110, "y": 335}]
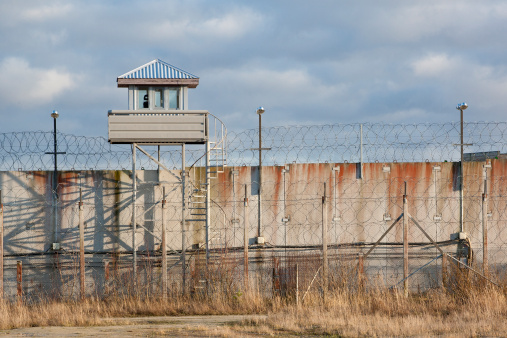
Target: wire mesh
[
  {"x": 359, "y": 213},
  {"x": 363, "y": 201}
]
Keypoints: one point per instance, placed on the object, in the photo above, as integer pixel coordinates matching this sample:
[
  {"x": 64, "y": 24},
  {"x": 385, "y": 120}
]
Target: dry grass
[
  {"x": 94, "y": 311},
  {"x": 483, "y": 312},
  {"x": 383, "y": 313},
  {"x": 465, "y": 307}
]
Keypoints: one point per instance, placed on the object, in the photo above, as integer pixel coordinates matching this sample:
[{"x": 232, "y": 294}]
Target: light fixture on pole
[
  {"x": 260, "y": 111},
  {"x": 260, "y": 239},
  {"x": 461, "y": 106},
  {"x": 55, "y": 152}
]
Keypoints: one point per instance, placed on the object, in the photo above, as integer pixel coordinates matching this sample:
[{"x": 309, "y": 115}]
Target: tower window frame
[{"x": 157, "y": 98}]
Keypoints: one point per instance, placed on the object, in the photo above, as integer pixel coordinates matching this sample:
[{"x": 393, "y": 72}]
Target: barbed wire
[{"x": 338, "y": 143}]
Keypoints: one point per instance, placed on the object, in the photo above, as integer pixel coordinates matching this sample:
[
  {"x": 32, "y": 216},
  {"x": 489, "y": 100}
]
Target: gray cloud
[{"x": 318, "y": 62}]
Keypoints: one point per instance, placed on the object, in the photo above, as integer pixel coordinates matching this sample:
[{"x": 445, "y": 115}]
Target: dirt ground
[{"x": 182, "y": 326}]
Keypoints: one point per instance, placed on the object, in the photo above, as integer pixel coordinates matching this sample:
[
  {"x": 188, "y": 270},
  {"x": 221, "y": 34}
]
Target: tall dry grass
[
  {"x": 378, "y": 312},
  {"x": 93, "y": 311},
  {"x": 388, "y": 313},
  {"x": 466, "y": 305}
]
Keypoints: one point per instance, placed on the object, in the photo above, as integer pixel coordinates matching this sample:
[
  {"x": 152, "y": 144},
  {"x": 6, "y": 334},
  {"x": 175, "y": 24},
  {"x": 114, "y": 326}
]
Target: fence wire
[
  {"x": 364, "y": 245},
  {"x": 359, "y": 212},
  {"x": 336, "y": 143}
]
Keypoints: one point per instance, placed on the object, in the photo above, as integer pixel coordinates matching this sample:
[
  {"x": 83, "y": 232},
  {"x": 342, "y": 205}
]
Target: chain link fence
[{"x": 357, "y": 210}]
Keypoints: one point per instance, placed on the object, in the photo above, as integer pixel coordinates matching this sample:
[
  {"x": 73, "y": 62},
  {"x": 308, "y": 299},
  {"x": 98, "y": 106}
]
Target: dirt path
[{"x": 194, "y": 326}]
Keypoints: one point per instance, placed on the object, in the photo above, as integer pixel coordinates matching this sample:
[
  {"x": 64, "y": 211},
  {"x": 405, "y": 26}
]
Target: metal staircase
[
  {"x": 217, "y": 149},
  {"x": 202, "y": 172}
]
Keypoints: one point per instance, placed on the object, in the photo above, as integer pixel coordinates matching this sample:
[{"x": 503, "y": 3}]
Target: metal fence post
[
  {"x": 324, "y": 241},
  {"x": 81, "y": 247},
  {"x": 183, "y": 224},
  {"x": 444, "y": 271},
  {"x": 134, "y": 216},
  {"x": 164, "y": 248},
  {"x": 405, "y": 242},
  {"x": 360, "y": 271},
  {"x": 245, "y": 237},
  {"x": 485, "y": 231},
  {"x": 1, "y": 247},
  {"x": 19, "y": 280},
  {"x": 106, "y": 278},
  {"x": 297, "y": 286}
]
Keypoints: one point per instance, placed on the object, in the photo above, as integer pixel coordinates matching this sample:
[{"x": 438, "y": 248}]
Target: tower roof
[{"x": 158, "y": 73}]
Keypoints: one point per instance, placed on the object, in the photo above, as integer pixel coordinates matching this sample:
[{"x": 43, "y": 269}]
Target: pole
[
  {"x": 208, "y": 203},
  {"x": 164, "y": 248},
  {"x": 485, "y": 230},
  {"x": 297, "y": 286},
  {"x": 183, "y": 225},
  {"x": 106, "y": 278},
  {"x": 1, "y": 247},
  {"x": 444, "y": 271},
  {"x": 259, "y": 225},
  {"x": 360, "y": 270},
  {"x": 361, "y": 155},
  {"x": 55, "y": 185},
  {"x": 461, "y": 218},
  {"x": 81, "y": 247},
  {"x": 19, "y": 280},
  {"x": 245, "y": 237},
  {"x": 405, "y": 242},
  {"x": 134, "y": 225},
  {"x": 55, "y": 115},
  {"x": 158, "y": 166},
  {"x": 324, "y": 241}
]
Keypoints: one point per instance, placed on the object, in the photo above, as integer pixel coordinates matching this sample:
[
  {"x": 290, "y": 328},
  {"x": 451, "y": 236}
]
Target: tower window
[
  {"x": 159, "y": 98},
  {"x": 174, "y": 98},
  {"x": 143, "y": 99}
]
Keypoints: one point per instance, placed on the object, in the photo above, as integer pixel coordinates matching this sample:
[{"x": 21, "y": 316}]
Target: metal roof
[{"x": 157, "y": 69}]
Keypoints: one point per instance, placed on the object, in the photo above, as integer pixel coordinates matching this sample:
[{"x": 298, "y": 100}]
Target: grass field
[{"x": 460, "y": 309}]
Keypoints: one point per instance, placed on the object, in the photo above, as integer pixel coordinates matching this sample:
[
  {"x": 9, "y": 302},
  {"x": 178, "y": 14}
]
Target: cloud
[
  {"x": 30, "y": 12},
  {"x": 26, "y": 86},
  {"x": 231, "y": 25},
  {"x": 46, "y": 12},
  {"x": 434, "y": 65},
  {"x": 406, "y": 115},
  {"x": 293, "y": 87},
  {"x": 335, "y": 62}
]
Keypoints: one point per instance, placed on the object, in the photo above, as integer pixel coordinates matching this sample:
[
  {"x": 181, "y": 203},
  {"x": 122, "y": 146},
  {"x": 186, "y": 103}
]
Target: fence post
[
  {"x": 19, "y": 279},
  {"x": 183, "y": 224},
  {"x": 1, "y": 247},
  {"x": 106, "y": 278},
  {"x": 81, "y": 247},
  {"x": 485, "y": 231},
  {"x": 297, "y": 287},
  {"x": 324, "y": 240},
  {"x": 360, "y": 271},
  {"x": 164, "y": 248},
  {"x": 405, "y": 242},
  {"x": 134, "y": 218},
  {"x": 444, "y": 271},
  {"x": 245, "y": 237}
]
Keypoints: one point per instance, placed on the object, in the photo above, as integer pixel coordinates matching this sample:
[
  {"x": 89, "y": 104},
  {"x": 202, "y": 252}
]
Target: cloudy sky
[{"x": 306, "y": 62}]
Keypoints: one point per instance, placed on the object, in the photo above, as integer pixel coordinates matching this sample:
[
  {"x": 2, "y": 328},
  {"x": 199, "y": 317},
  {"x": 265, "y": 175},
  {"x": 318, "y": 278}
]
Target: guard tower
[
  {"x": 158, "y": 107},
  {"x": 158, "y": 115}
]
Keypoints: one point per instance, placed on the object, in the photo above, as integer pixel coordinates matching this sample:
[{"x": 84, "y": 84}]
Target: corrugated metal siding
[{"x": 157, "y": 69}]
